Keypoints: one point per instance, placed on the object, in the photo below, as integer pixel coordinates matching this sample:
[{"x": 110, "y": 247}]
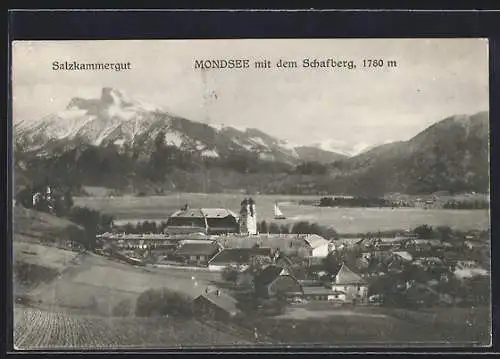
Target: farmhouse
[
  {"x": 204, "y": 220},
  {"x": 216, "y": 305},
  {"x": 236, "y": 257},
  {"x": 354, "y": 287},
  {"x": 273, "y": 281},
  {"x": 197, "y": 251}
]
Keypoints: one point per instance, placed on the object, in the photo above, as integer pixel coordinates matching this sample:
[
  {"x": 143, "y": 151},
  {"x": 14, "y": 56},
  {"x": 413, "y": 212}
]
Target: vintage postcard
[{"x": 251, "y": 193}]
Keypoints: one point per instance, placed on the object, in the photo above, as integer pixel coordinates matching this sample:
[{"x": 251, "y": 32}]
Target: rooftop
[
  {"x": 268, "y": 275},
  {"x": 221, "y": 300},
  {"x": 315, "y": 241},
  {"x": 346, "y": 276},
  {"x": 239, "y": 255},
  {"x": 205, "y": 212},
  {"x": 199, "y": 247}
]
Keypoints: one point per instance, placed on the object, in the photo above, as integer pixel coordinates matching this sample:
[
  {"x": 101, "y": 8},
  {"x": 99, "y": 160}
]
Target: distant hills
[
  {"x": 130, "y": 146},
  {"x": 451, "y": 155}
]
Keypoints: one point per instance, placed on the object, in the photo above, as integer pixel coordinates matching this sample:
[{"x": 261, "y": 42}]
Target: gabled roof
[
  {"x": 205, "y": 212},
  {"x": 221, "y": 300},
  {"x": 197, "y": 247},
  {"x": 405, "y": 255},
  {"x": 268, "y": 275},
  {"x": 346, "y": 276},
  {"x": 239, "y": 255},
  {"x": 315, "y": 241}
]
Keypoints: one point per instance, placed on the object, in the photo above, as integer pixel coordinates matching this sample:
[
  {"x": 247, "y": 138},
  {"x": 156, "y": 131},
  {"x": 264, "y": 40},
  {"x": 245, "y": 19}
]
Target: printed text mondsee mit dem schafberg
[
  {"x": 90, "y": 66},
  {"x": 245, "y": 63}
]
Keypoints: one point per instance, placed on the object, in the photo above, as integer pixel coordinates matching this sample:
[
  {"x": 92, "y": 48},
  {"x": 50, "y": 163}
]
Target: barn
[{"x": 216, "y": 305}]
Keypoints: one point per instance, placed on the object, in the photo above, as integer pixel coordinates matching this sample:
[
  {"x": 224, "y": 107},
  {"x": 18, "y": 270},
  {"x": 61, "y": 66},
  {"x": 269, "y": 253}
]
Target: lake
[{"x": 344, "y": 220}]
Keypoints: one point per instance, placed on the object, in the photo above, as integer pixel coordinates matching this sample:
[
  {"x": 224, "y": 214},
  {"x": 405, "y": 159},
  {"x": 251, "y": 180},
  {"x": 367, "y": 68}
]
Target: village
[{"x": 255, "y": 272}]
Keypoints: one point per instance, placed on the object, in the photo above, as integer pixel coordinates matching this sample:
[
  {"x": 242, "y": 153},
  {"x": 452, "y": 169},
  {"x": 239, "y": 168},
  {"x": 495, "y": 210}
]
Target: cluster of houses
[
  {"x": 275, "y": 281},
  {"x": 218, "y": 239}
]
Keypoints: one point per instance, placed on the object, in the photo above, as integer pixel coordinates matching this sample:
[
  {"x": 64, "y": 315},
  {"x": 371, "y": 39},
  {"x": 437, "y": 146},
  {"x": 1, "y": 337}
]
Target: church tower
[{"x": 248, "y": 217}]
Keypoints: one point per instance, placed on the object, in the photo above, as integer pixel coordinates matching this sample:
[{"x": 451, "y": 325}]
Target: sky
[{"x": 346, "y": 110}]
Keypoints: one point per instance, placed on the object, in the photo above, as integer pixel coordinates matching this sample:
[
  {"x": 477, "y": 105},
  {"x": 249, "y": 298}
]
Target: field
[
  {"x": 38, "y": 227},
  {"x": 42, "y": 329},
  {"x": 91, "y": 304},
  {"x": 344, "y": 220},
  {"x": 368, "y": 326},
  {"x": 103, "y": 287}
]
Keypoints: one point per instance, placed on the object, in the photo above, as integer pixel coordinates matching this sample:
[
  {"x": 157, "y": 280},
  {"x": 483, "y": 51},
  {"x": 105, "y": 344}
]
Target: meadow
[{"x": 343, "y": 220}]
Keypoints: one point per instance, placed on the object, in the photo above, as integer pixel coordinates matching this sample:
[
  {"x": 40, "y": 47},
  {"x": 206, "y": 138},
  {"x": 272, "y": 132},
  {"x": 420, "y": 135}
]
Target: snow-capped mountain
[{"x": 117, "y": 119}]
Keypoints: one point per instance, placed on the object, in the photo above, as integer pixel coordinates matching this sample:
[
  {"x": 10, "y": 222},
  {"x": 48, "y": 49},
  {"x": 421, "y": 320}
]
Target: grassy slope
[
  {"x": 38, "y": 227},
  {"x": 36, "y": 260}
]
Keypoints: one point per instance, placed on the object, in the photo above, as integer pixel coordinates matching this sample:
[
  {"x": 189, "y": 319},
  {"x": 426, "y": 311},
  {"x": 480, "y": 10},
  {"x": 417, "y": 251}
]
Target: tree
[
  {"x": 444, "y": 233},
  {"x": 424, "y": 232},
  {"x": 333, "y": 262},
  {"x": 264, "y": 228},
  {"x": 230, "y": 274},
  {"x": 163, "y": 301},
  {"x": 284, "y": 229},
  {"x": 301, "y": 227},
  {"x": 274, "y": 228},
  {"x": 25, "y": 197}
]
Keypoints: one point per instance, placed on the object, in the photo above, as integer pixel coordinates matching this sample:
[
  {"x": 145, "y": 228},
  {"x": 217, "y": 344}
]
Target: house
[
  {"x": 317, "y": 246},
  {"x": 273, "y": 281},
  {"x": 423, "y": 245},
  {"x": 469, "y": 269},
  {"x": 202, "y": 220},
  {"x": 196, "y": 251},
  {"x": 236, "y": 257},
  {"x": 319, "y": 293},
  {"x": 474, "y": 245},
  {"x": 216, "y": 305},
  {"x": 163, "y": 249},
  {"x": 345, "y": 244},
  {"x": 303, "y": 245},
  {"x": 352, "y": 284}
]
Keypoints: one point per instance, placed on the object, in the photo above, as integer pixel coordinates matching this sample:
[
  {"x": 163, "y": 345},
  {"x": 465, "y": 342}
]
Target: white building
[{"x": 317, "y": 246}]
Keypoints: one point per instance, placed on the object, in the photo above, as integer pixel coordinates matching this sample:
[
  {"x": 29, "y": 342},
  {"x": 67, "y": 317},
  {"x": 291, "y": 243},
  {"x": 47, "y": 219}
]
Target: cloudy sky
[{"x": 348, "y": 109}]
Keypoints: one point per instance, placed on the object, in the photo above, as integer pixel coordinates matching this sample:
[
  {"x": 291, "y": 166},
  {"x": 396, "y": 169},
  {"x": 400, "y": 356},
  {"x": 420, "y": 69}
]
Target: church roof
[
  {"x": 205, "y": 212},
  {"x": 346, "y": 276}
]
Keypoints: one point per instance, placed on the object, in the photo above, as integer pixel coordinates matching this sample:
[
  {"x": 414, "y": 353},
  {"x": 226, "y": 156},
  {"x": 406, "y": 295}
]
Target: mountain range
[
  {"x": 118, "y": 120},
  {"x": 452, "y": 154}
]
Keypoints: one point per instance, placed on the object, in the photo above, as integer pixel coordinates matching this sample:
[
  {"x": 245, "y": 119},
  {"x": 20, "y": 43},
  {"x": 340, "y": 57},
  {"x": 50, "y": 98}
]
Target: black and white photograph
[{"x": 250, "y": 193}]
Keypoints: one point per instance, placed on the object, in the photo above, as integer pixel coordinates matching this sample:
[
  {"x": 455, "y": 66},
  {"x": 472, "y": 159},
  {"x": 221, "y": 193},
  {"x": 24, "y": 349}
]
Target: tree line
[
  {"x": 359, "y": 202},
  {"x": 476, "y": 204}
]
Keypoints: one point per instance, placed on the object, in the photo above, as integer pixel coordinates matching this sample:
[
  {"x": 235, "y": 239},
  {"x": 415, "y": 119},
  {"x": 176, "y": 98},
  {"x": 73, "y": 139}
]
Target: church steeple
[{"x": 248, "y": 217}]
